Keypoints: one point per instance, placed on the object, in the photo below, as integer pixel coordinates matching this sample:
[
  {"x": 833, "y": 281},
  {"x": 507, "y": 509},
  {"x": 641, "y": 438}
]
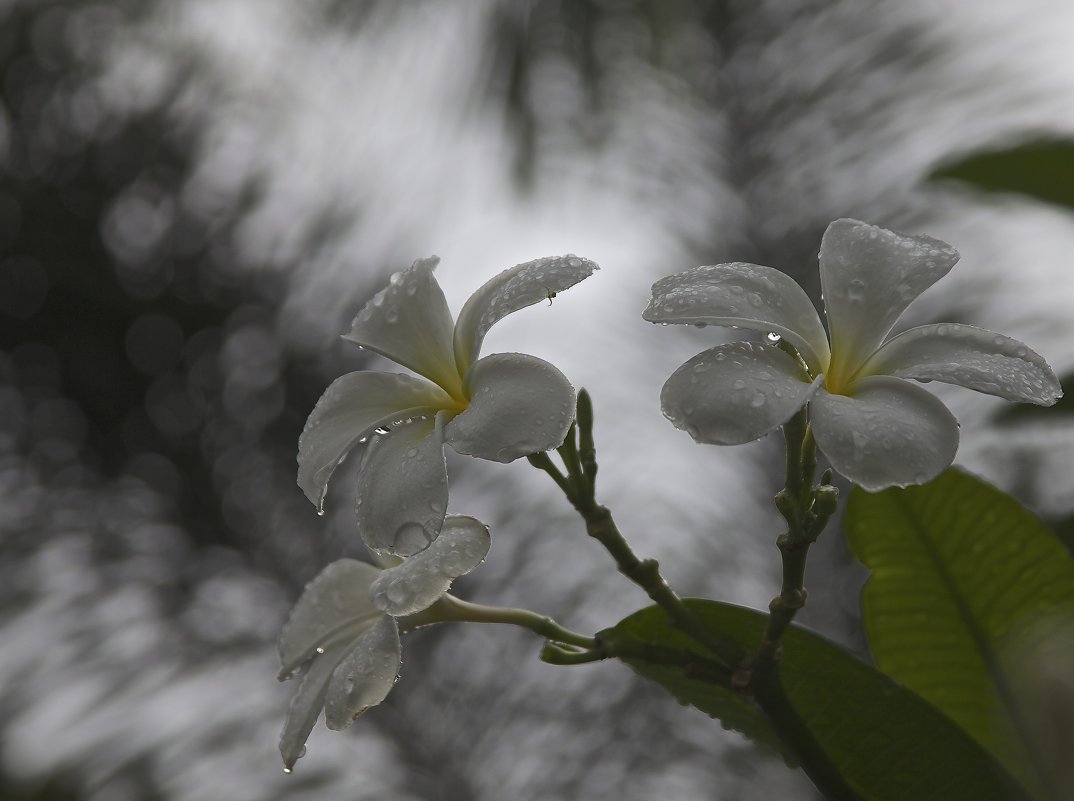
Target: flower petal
[
  {"x": 402, "y": 488},
  {"x": 306, "y": 705},
  {"x": 351, "y": 407},
  {"x": 744, "y": 296},
  {"x": 519, "y": 405},
  {"x": 970, "y": 357},
  {"x": 735, "y": 393},
  {"x": 889, "y": 434},
  {"x": 419, "y": 581},
  {"x": 331, "y": 606},
  {"x": 869, "y": 275},
  {"x": 513, "y": 289},
  {"x": 409, "y": 322},
  {"x": 364, "y": 676}
]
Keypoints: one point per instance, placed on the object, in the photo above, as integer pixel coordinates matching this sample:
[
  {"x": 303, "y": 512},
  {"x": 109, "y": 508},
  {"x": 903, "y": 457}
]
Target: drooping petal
[
  {"x": 402, "y": 488},
  {"x": 735, "y": 393},
  {"x": 513, "y": 289},
  {"x": 970, "y": 357},
  {"x": 519, "y": 405},
  {"x": 409, "y": 322},
  {"x": 334, "y": 605},
  {"x": 306, "y": 705},
  {"x": 364, "y": 676},
  {"x": 889, "y": 434},
  {"x": 743, "y": 295},
  {"x": 419, "y": 581},
  {"x": 350, "y": 409},
  {"x": 869, "y": 276}
]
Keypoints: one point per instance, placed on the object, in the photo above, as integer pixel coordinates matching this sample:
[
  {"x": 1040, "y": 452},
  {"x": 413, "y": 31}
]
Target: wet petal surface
[
  {"x": 746, "y": 296},
  {"x": 409, "y": 322},
  {"x": 970, "y": 357},
  {"x": 515, "y": 288},
  {"x": 519, "y": 405},
  {"x": 869, "y": 276},
  {"x": 364, "y": 676},
  {"x": 419, "y": 581},
  {"x": 402, "y": 488},
  {"x": 350, "y": 409},
  {"x": 306, "y": 705},
  {"x": 333, "y": 605},
  {"x": 735, "y": 393},
  {"x": 890, "y": 434}
]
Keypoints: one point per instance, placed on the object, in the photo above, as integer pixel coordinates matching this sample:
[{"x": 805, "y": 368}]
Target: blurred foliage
[
  {"x": 969, "y": 598},
  {"x": 1041, "y": 168}
]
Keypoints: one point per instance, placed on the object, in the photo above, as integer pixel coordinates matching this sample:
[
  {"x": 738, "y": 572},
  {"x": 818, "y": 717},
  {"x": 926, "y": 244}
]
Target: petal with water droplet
[
  {"x": 735, "y": 393},
  {"x": 869, "y": 276},
  {"x": 519, "y": 405},
  {"x": 970, "y": 357},
  {"x": 890, "y": 433},
  {"x": 351, "y": 408},
  {"x": 409, "y": 322},
  {"x": 306, "y": 705},
  {"x": 515, "y": 288},
  {"x": 402, "y": 488},
  {"x": 419, "y": 581},
  {"x": 364, "y": 676},
  {"x": 334, "y": 606},
  {"x": 745, "y": 296}
]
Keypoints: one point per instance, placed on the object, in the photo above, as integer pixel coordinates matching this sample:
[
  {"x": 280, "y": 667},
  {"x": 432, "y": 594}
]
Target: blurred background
[{"x": 196, "y": 196}]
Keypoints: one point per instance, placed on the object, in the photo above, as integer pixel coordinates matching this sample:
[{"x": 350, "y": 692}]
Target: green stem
[
  {"x": 807, "y": 510},
  {"x": 555, "y": 654},
  {"x": 452, "y": 609}
]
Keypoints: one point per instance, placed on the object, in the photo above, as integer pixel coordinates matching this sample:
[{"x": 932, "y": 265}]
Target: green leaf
[
  {"x": 971, "y": 605},
  {"x": 859, "y": 735},
  {"x": 1043, "y": 169}
]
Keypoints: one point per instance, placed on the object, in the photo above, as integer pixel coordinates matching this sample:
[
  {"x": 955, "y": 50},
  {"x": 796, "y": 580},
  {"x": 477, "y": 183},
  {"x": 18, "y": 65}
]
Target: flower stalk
[
  {"x": 807, "y": 509},
  {"x": 578, "y": 453}
]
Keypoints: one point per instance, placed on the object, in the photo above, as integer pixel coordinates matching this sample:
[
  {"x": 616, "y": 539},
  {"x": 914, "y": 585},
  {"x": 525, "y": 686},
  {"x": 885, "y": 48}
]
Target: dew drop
[
  {"x": 319, "y": 649},
  {"x": 411, "y": 538},
  {"x": 773, "y": 337}
]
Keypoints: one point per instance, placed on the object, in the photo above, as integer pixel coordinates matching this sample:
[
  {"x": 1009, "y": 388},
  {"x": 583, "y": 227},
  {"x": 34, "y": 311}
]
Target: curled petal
[
  {"x": 350, "y": 409},
  {"x": 334, "y": 605},
  {"x": 743, "y": 295},
  {"x": 889, "y": 434},
  {"x": 365, "y": 675},
  {"x": 409, "y": 322},
  {"x": 735, "y": 393},
  {"x": 306, "y": 705},
  {"x": 869, "y": 276},
  {"x": 402, "y": 488},
  {"x": 513, "y": 289},
  {"x": 970, "y": 357},
  {"x": 419, "y": 581},
  {"x": 519, "y": 405}
]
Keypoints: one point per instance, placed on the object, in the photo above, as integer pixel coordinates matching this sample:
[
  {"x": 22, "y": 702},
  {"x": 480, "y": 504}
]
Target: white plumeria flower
[
  {"x": 343, "y": 628},
  {"x": 500, "y": 407},
  {"x": 875, "y": 428}
]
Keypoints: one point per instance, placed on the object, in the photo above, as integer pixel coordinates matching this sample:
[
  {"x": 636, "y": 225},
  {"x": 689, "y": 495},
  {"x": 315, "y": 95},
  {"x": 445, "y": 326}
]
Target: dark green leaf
[
  {"x": 857, "y": 733},
  {"x": 971, "y": 605},
  {"x": 1043, "y": 169}
]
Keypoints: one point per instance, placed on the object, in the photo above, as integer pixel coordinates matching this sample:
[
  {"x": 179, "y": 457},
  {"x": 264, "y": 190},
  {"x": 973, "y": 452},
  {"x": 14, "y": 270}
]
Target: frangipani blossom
[
  {"x": 499, "y": 407},
  {"x": 343, "y": 628},
  {"x": 876, "y": 429}
]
